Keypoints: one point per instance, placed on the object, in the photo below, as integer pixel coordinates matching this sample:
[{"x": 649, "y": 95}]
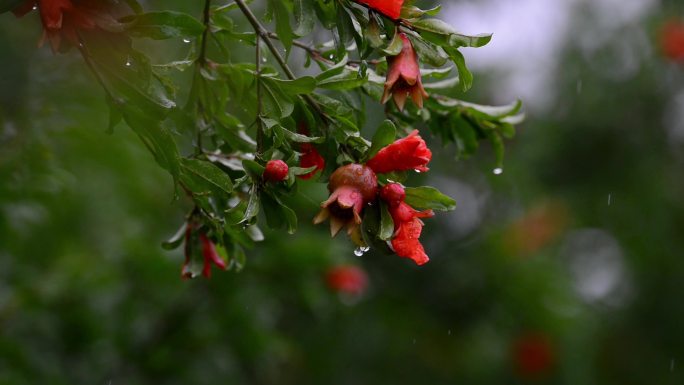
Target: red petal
[
  {"x": 410, "y": 153},
  {"x": 389, "y": 8},
  {"x": 406, "y": 242}
]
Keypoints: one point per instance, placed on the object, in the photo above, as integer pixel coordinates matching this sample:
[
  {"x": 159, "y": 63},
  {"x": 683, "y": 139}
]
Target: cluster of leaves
[{"x": 215, "y": 139}]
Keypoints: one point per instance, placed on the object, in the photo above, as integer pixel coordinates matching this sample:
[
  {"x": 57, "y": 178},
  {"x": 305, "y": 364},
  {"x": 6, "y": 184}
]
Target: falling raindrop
[
  {"x": 579, "y": 86},
  {"x": 360, "y": 251},
  {"x": 610, "y": 199},
  {"x": 449, "y": 331},
  {"x": 263, "y": 59},
  {"x": 35, "y": 7},
  {"x": 498, "y": 171},
  {"x": 186, "y": 41},
  {"x": 672, "y": 365}
]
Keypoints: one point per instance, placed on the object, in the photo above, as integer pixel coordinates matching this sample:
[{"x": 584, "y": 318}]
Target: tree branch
[{"x": 264, "y": 34}]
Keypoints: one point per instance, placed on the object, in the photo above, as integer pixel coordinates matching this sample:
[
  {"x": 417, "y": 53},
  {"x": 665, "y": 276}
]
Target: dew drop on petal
[{"x": 498, "y": 171}]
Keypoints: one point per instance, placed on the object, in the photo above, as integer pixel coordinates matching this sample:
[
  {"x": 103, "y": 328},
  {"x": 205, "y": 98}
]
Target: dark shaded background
[{"x": 571, "y": 261}]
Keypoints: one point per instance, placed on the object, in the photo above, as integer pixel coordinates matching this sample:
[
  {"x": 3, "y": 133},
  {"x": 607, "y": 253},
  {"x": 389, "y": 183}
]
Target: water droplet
[
  {"x": 35, "y": 7},
  {"x": 128, "y": 62},
  {"x": 331, "y": 56},
  {"x": 414, "y": 341},
  {"x": 449, "y": 331},
  {"x": 498, "y": 171},
  {"x": 263, "y": 60},
  {"x": 186, "y": 41},
  {"x": 360, "y": 251},
  {"x": 610, "y": 199},
  {"x": 418, "y": 171},
  {"x": 579, "y": 86},
  {"x": 672, "y": 365}
]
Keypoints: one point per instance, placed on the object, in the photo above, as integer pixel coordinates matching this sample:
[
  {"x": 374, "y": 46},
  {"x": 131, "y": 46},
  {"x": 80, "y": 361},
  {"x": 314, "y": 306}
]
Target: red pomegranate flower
[
  {"x": 403, "y": 77},
  {"x": 310, "y": 157},
  {"x": 351, "y": 188},
  {"x": 672, "y": 40},
  {"x": 350, "y": 280},
  {"x": 389, "y": 8},
  {"x": 209, "y": 254},
  {"x": 62, "y": 19},
  {"x": 409, "y": 153},
  {"x": 407, "y": 224},
  {"x": 533, "y": 356},
  {"x": 276, "y": 171}
]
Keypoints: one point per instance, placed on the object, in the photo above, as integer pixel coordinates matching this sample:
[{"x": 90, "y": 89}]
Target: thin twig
[{"x": 259, "y": 123}]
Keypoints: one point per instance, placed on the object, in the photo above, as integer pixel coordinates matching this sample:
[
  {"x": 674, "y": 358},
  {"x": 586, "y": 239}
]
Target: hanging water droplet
[
  {"x": 35, "y": 7},
  {"x": 417, "y": 171},
  {"x": 128, "y": 62},
  {"x": 263, "y": 60},
  {"x": 331, "y": 56},
  {"x": 498, "y": 171},
  {"x": 186, "y": 40},
  {"x": 360, "y": 251}
]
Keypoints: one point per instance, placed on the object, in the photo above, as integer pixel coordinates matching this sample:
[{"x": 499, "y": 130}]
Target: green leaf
[
  {"x": 386, "y": 223},
  {"x": 299, "y": 86},
  {"x": 282, "y": 16},
  {"x": 252, "y": 209},
  {"x": 424, "y": 198},
  {"x": 413, "y": 12},
  {"x": 394, "y": 47},
  {"x": 177, "y": 239},
  {"x": 157, "y": 138},
  {"x": 384, "y": 135},
  {"x": 428, "y": 52},
  {"x": 209, "y": 175},
  {"x": 464, "y": 75},
  {"x": 304, "y": 17},
  {"x": 163, "y": 25},
  {"x": 347, "y": 80},
  {"x": 253, "y": 169},
  {"x": 279, "y": 215}
]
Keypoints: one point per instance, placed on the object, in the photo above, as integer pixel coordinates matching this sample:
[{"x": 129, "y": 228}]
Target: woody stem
[
  {"x": 259, "y": 122},
  {"x": 264, "y": 34}
]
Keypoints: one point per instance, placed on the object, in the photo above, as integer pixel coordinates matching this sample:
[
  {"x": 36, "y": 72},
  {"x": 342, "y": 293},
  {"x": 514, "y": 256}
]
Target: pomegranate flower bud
[
  {"x": 210, "y": 256},
  {"x": 310, "y": 157},
  {"x": 393, "y": 194},
  {"x": 351, "y": 188},
  {"x": 351, "y": 280},
  {"x": 409, "y": 153},
  {"x": 403, "y": 77},
  {"x": 276, "y": 171},
  {"x": 389, "y": 8},
  {"x": 672, "y": 40}
]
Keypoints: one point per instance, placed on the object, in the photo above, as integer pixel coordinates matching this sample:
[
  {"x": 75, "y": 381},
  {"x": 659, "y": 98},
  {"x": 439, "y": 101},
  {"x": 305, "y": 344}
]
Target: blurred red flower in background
[
  {"x": 409, "y": 153},
  {"x": 351, "y": 280},
  {"x": 310, "y": 157},
  {"x": 533, "y": 355},
  {"x": 672, "y": 40}
]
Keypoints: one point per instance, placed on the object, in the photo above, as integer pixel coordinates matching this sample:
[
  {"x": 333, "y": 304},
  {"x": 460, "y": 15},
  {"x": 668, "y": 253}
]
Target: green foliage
[{"x": 237, "y": 114}]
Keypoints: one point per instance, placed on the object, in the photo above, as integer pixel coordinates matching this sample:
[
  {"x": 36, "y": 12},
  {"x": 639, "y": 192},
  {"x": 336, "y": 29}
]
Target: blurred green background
[{"x": 566, "y": 269}]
